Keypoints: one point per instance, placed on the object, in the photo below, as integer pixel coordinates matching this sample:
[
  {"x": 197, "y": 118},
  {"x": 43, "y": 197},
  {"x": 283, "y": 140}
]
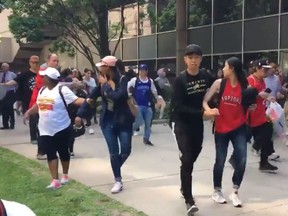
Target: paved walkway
[{"x": 151, "y": 175}]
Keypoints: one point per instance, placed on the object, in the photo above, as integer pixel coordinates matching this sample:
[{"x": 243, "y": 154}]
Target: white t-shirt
[
  {"x": 53, "y": 115},
  {"x": 17, "y": 209}
]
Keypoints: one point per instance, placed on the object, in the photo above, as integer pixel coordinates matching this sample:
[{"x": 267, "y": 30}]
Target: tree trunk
[
  {"x": 181, "y": 34},
  {"x": 103, "y": 31}
]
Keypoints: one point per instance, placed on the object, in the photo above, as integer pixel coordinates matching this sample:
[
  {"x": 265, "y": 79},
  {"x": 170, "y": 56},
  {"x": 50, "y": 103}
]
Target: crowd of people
[{"x": 61, "y": 105}]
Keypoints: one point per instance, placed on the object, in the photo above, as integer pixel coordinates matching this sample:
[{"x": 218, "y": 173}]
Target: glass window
[
  {"x": 114, "y": 19},
  {"x": 261, "y": 34},
  {"x": 147, "y": 47},
  {"x": 130, "y": 49},
  {"x": 284, "y": 32},
  {"x": 131, "y": 20},
  {"x": 231, "y": 33},
  {"x": 206, "y": 62},
  {"x": 166, "y": 15},
  {"x": 147, "y": 17},
  {"x": 284, "y": 6},
  {"x": 257, "y": 8},
  {"x": 227, "y": 10},
  {"x": 202, "y": 37},
  {"x": 166, "y": 45},
  {"x": 200, "y": 12},
  {"x": 219, "y": 61},
  {"x": 284, "y": 61}
]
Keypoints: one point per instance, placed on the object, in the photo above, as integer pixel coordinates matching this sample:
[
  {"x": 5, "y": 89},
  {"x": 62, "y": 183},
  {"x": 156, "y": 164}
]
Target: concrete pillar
[{"x": 181, "y": 33}]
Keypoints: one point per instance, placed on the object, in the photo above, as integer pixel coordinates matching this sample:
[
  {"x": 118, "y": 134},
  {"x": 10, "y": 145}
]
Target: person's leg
[
  {"x": 5, "y": 113},
  {"x": 33, "y": 122},
  {"x": 110, "y": 135},
  {"x": 49, "y": 146},
  {"x": 263, "y": 135},
  {"x": 62, "y": 140},
  {"x": 11, "y": 113},
  {"x": 221, "y": 146},
  {"x": 190, "y": 147},
  {"x": 125, "y": 138},
  {"x": 5, "y": 118},
  {"x": 239, "y": 142},
  {"x": 147, "y": 116},
  {"x": 139, "y": 119}
]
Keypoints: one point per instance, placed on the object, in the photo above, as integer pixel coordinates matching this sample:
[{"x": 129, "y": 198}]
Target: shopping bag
[{"x": 274, "y": 111}]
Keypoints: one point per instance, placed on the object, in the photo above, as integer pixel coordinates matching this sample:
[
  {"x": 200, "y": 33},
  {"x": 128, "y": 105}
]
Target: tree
[{"x": 81, "y": 25}]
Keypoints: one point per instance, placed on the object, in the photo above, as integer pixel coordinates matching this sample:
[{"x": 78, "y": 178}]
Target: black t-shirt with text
[
  {"x": 26, "y": 84},
  {"x": 189, "y": 92}
]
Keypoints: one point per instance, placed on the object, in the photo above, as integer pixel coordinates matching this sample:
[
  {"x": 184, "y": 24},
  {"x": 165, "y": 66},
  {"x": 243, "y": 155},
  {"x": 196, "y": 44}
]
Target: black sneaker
[
  {"x": 267, "y": 167},
  {"x": 147, "y": 142},
  {"x": 191, "y": 208}
]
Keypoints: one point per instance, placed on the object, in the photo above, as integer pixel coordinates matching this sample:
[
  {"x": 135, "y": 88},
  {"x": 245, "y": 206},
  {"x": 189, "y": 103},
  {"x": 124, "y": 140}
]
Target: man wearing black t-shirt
[
  {"x": 187, "y": 114},
  {"x": 26, "y": 83}
]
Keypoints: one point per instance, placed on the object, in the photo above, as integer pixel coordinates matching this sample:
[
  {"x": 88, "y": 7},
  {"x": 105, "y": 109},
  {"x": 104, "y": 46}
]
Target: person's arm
[
  {"x": 131, "y": 84},
  {"x": 213, "y": 89},
  {"x": 117, "y": 94},
  {"x": 251, "y": 81},
  {"x": 33, "y": 110},
  {"x": 153, "y": 89},
  {"x": 10, "y": 83},
  {"x": 96, "y": 92}
]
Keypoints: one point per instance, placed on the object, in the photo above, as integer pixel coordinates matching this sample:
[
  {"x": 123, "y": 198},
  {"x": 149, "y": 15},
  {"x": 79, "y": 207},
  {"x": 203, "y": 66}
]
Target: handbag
[{"x": 132, "y": 106}]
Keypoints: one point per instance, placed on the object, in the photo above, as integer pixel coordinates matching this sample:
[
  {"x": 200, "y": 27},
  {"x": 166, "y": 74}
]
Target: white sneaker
[
  {"x": 235, "y": 200},
  {"x": 218, "y": 197},
  {"x": 274, "y": 156},
  {"x": 64, "y": 180},
  {"x": 117, "y": 188},
  {"x": 91, "y": 131}
]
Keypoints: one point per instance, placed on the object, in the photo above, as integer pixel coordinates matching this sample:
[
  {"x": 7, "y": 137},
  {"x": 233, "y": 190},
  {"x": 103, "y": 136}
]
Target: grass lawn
[{"x": 23, "y": 180}]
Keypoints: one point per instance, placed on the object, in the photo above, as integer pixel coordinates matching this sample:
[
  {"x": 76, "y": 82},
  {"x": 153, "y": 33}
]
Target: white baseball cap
[{"x": 52, "y": 73}]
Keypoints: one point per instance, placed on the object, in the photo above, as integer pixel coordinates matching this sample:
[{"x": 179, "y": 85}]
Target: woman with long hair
[
  {"x": 230, "y": 125},
  {"x": 116, "y": 119}
]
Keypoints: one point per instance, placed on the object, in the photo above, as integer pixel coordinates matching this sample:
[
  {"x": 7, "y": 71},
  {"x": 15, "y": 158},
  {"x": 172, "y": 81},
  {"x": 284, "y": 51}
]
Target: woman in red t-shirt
[{"x": 229, "y": 126}]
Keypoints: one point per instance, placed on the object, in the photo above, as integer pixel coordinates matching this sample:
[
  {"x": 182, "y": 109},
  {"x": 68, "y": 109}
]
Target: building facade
[{"x": 248, "y": 29}]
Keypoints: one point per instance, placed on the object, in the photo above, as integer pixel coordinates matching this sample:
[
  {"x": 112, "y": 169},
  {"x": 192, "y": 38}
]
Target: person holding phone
[{"x": 262, "y": 129}]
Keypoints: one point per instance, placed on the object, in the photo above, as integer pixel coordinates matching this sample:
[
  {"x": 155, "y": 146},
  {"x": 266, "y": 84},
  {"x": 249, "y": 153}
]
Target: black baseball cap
[
  {"x": 193, "y": 49},
  {"x": 262, "y": 63}
]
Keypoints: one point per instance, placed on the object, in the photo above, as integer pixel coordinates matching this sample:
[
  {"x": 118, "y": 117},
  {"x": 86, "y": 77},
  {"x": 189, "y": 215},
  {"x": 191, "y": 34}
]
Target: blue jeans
[
  {"x": 145, "y": 115},
  {"x": 117, "y": 156},
  {"x": 238, "y": 137}
]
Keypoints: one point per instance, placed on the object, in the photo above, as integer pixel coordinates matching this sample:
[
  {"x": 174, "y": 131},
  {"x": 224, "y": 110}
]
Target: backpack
[{"x": 131, "y": 103}]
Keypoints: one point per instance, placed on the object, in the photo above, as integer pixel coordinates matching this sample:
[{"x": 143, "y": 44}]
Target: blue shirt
[
  {"x": 142, "y": 93},
  {"x": 8, "y": 77},
  {"x": 272, "y": 82}
]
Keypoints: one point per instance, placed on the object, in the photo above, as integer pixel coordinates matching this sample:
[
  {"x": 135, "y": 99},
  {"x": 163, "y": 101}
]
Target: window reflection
[
  {"x": 147, "y": 17},
  {"x": 199, "y": 13},
  {"x": 166, "y": 15},
  {"x": 256, "y": 8},
  {"x": 227, "y": 10},
  {"x": 284, "y": 6}
]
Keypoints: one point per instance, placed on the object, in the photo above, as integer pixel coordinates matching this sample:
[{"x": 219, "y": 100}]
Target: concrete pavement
[{"x": 151, "y": 175}]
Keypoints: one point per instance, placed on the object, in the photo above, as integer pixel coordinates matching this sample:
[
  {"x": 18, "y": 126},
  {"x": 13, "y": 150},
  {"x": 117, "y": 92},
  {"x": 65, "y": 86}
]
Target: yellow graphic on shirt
[{"x": 45, "y": 104}]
